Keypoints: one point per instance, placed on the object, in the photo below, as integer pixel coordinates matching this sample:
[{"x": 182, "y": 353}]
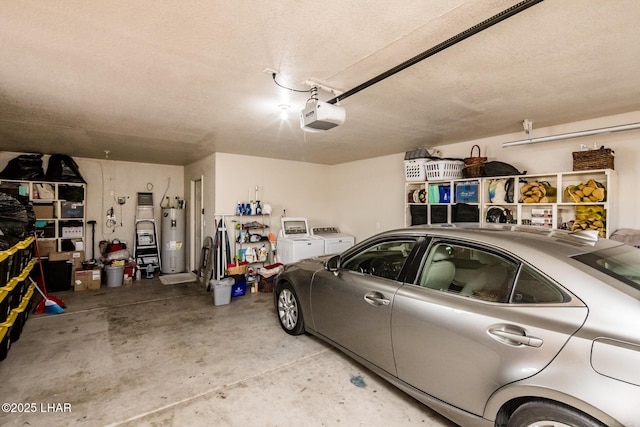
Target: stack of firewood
[
  {"x": 537, "y": 192},
  {"x": 589, "y": 192},
  {"x": 590, "y": 218}
]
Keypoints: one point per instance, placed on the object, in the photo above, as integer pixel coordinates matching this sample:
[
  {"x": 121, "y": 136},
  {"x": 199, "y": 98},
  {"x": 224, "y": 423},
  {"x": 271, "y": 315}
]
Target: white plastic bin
[{"x": 222, "y": 290}]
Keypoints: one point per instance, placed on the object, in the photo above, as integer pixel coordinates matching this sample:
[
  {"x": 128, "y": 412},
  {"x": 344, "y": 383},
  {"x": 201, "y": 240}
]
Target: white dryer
[
  {"x": 335, "y": 242},
  {"x": 296, "y": 243}
]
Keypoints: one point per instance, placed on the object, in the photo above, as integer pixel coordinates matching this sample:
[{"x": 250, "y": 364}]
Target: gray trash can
[
  {"x": 115, "y": 275},
  {"x": 222, "y": 290}
]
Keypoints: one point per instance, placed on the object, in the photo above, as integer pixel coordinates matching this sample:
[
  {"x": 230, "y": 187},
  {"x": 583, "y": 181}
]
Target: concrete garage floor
[{"x": 153, "y": 354}]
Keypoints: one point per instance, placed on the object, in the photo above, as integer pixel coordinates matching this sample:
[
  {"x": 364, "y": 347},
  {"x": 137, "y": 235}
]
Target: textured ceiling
[{"x": 172, "y": 81}]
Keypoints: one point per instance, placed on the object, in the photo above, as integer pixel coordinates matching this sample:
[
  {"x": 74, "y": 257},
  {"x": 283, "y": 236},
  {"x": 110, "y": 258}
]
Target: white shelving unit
[
  {"x": 560, "y": 212},
  {"x": 263, "y": 229},
  {"x": 65, "y": 217}
]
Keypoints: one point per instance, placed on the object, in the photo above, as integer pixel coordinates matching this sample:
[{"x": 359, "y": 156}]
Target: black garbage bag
[
  {"x": 63, "y": 168},
  {"x": 17, "y": 219},
  {"x": 25, "y": 166}
]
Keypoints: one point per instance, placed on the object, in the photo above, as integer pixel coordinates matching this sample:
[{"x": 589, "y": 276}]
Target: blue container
[
  {"x": 445, "y": 194},
  {"x": 239, "y": 289},
  {"x": 467, "y": 193}
]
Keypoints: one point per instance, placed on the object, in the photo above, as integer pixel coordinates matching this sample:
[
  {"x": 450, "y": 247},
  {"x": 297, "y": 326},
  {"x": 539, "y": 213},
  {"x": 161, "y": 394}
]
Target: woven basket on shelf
[
  {"x": 236, "y": 269},
  {"x": 473, "y": 165},
  {"x": 593, "y": 159}
]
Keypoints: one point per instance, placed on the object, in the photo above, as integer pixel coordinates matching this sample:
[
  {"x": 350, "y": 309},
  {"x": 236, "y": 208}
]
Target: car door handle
[
  {"x": 375, "y": 298},
  {"x": 515, "y": 337}
]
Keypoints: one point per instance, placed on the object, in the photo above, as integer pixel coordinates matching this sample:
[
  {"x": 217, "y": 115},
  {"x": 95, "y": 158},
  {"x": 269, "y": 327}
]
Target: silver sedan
[{"x": 500, "y": 326}]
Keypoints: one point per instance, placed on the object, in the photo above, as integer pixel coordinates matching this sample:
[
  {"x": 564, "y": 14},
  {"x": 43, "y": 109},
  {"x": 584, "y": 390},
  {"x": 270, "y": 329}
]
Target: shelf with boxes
[
  {"x": 59, "y": 208},
  {"x": 577, "y": 200}
]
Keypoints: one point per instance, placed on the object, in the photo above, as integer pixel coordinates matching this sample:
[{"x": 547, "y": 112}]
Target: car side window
[
  {"x": 384, "y": 259},
  {"x": 533, "y": 288},
  {"x": 468, "y": 271}
]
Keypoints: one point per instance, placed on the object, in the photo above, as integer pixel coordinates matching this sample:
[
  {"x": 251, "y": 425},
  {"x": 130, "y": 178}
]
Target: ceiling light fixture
[
  {"x": 316, "y": 116},
  {"x": 529, "y": 127},
  {"x": 284, "y": 111}
]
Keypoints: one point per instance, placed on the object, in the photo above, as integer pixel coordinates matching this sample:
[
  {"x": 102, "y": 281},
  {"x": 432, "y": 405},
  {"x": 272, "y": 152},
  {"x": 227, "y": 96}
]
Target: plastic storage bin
[
  {"x": 222, "y": 290},
  {"x": 5, "y": 341},
  {"x": 414, "y": 170},
  {"x": 4, "y": 267},
  {"x": 5, "y": 305},
  {"x": 441, "y": 170}
]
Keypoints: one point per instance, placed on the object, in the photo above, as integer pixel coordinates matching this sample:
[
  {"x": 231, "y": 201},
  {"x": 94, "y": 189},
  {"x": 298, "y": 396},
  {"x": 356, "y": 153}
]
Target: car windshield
[{"x": 621, "y": 262}]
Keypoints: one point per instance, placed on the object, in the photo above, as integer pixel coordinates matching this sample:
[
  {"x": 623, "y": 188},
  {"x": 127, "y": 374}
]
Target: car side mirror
[{"x": 333, "y": 264}]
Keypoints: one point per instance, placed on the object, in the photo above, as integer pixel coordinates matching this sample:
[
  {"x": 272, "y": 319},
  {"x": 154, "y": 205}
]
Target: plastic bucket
[
  {"x": 222, "y": 291},
  {"x": 115, "y": 275}
]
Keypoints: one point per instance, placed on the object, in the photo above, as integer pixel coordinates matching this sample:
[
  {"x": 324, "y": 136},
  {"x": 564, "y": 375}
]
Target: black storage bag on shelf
[
  {"x": 439, "y": 214},
  {"x": 71, "y": 193},
  {"x": 418, "y": 214},
  {"x": 495, "y": 168},
  {"x": 25, "y": 166},
  {"x": 463, "y": 212},
  {"x": 63, "y": 168}
]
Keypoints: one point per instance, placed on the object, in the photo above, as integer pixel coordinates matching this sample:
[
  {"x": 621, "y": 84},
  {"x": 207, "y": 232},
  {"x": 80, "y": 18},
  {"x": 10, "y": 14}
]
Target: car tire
[
  {"x": 288, "y": 309},
  {"x": 539, "y": 413}
]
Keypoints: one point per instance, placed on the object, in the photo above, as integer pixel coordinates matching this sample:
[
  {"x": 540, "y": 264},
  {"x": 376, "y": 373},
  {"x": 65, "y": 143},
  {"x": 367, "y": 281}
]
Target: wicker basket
[
  {"x": 236, "y": 269},
  {"x": 593, "y": 159},
  {"x": 473, "y": 165}
]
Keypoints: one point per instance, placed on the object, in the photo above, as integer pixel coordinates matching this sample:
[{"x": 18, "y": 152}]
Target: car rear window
[{"x": 620, "y": 262}]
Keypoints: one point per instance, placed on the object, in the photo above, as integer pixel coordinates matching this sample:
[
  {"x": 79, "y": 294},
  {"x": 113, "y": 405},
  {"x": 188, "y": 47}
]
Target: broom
[
  {"x": 50, "y": 307},
  {"x": 41, "y": 307}
]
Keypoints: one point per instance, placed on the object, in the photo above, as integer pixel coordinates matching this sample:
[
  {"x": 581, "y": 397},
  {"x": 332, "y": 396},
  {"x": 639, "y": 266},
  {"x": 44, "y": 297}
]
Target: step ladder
[{"x": 146, "y": 251}]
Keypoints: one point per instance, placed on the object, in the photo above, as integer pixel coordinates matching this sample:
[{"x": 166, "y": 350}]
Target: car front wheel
[
  {"x": 289, "y": 313},
  {"x": 549, "y": 414}
]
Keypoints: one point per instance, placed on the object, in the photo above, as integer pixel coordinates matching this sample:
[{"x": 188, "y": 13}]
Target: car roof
[{"x": 518, "y": 239}]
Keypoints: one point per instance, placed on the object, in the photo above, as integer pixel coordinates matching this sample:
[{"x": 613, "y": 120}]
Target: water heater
[{"x": 173, "y": 240}]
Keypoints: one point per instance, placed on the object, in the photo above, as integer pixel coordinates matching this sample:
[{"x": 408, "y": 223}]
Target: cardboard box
[
  {"x": 43, "y": 211},
  {"x": 541, "y": 213},
  {"x": 87, "y": 280},
  {"x": 46, "y": 247},
  {"x": 77, "y": 257},
  {"x": 547, "y": 222}
]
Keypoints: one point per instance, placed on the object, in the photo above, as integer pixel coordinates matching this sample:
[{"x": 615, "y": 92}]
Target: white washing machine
[
  {"x": 335, "y": 242},
  {"x": 296, "y": 243}
]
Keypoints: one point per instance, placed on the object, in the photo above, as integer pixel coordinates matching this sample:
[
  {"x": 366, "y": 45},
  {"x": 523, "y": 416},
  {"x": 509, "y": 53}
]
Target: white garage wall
[
  {"x": 123, "y": 179},
  {"x": 301, "y": 189},
  {"x": 371, "y": 192},
  {"x": 368, "y": 195}
]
